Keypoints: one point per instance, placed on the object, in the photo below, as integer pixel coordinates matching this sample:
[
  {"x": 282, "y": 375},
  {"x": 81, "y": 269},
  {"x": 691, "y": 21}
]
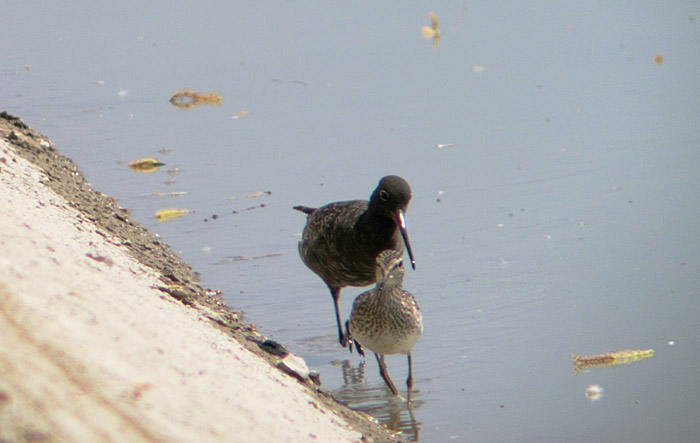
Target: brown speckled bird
[{"x": 387, "y": 319}]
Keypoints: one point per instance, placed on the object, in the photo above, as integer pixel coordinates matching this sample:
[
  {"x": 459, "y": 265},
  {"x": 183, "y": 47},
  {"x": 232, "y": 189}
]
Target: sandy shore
[{"x": 106, "y": 336}]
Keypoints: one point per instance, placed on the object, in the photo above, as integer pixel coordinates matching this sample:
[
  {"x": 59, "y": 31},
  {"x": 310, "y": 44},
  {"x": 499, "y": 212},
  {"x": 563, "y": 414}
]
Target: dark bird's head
[{"x": 390, "y": 200}]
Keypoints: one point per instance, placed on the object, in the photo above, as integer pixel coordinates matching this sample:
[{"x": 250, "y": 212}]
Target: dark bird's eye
[{"x": 384, "y": 195}]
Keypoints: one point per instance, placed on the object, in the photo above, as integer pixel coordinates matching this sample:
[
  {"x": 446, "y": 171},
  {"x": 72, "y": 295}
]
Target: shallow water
[{"x": 565, "y": 218}]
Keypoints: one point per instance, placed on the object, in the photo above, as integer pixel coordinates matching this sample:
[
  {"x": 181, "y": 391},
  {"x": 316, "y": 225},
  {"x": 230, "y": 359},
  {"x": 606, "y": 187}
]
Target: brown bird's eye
[{"x": 384, "y": 195}]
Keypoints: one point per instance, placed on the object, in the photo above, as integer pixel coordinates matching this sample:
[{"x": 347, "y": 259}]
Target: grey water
[{"x": 562, "y": 214}]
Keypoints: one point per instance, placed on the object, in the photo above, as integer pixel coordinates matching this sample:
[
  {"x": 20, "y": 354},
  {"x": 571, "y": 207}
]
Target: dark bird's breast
[{"x": 340, "y": 244}]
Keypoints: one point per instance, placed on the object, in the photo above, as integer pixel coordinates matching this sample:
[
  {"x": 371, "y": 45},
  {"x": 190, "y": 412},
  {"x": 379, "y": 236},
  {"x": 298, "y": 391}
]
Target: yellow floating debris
[
  {"x": 187, "y": 98},
  {"x": 625, "y": 357},
  {"x": 432, "y": 31},
  {"x": 146, "y": 165},
  {"x": 169, "y": 214}
]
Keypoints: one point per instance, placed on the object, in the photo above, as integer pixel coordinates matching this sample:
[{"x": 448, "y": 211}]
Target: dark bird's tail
[{"x": 305, "y": 209}]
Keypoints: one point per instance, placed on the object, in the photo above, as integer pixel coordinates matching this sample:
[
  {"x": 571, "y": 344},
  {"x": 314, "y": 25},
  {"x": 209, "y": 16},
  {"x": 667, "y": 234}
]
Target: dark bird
[
  {"x": 387, "y": 319},
  {"x": 341, "y": 240}
]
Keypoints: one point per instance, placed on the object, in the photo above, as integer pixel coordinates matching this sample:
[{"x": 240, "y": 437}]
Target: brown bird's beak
[{"x": 402, "y": 227}]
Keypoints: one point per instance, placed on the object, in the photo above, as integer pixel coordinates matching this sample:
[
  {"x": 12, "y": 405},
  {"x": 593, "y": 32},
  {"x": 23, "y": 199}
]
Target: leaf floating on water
[
  {"x": 658, "y": 59},
  {"x": 428, "y": 32},
  {"x": 626, "y": 357},
  {"x": 187, "y": 98},
  {"x": 434, "y": 20},
  {"x": 146, "y": 165},
  {"x": 432, "y": 31},
  {"x": 169, "y": 214}
]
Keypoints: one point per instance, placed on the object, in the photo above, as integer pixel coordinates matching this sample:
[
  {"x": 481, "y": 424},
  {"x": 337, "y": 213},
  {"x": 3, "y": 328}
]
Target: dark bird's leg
[
  {"x": 409, "y": 380},
  {"x": 351, "y": 341},
  {"x": 342, "y": 337},
  {"x": 385, "y": 374}
]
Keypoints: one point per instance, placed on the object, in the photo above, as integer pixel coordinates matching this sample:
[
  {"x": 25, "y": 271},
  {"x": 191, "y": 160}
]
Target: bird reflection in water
[{"x": 378, "y": 401}]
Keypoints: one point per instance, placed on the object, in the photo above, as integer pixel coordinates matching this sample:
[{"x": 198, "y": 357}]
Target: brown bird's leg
[
  {"x": 385, "y": 374},
  {"x": 342, "y": 337}
]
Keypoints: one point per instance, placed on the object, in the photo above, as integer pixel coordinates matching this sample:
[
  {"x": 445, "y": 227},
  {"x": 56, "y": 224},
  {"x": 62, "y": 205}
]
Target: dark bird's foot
[
  {"x": 351, "y": 341},
  {"x": 359, "y": 349}
]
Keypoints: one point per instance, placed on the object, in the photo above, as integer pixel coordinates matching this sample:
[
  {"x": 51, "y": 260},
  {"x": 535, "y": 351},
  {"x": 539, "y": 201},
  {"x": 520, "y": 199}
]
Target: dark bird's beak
[{"x": 402, "y": 227}]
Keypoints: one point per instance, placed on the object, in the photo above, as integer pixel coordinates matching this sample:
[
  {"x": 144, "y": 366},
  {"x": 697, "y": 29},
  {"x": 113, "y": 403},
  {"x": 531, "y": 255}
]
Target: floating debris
[
  {"x": 658, "y": 59},
  {"x": 432, "y": 31},
  {"x": 187, "y": 98},
  {"x": 146, "y": 165},
  {"x": 594, "y": 392},
  {"x": 169, "y": 194},
  {"x": 445, "y": 145},
  {"x": 625, "y": 357},
  {"x": 253, "y": 194},
  {"x": 240, "y": 114},
  {"x": 169, "y": 214},
  {"x": 257, "y": 194}
]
